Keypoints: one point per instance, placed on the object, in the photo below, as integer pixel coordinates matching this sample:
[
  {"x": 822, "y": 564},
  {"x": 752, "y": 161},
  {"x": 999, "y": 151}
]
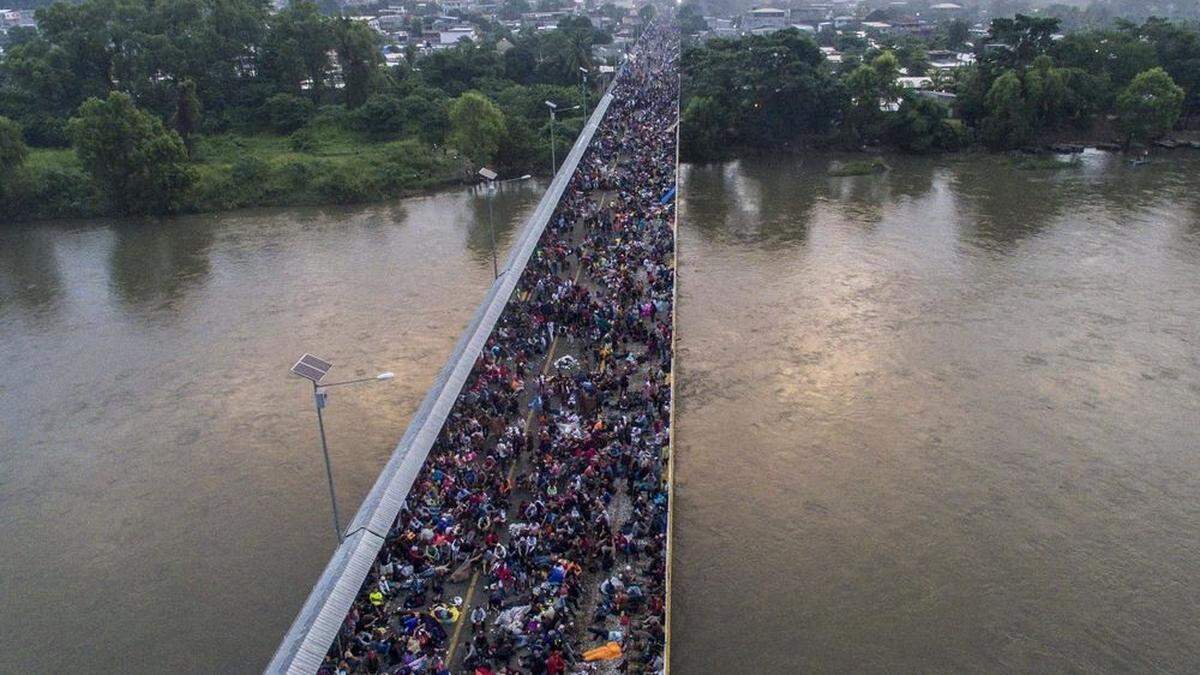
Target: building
[
  {"x": 764, "y": 19},
  {"x": 811, "y": 14},
  {"x": 944, "y": 11},
  {"x": 452, "y": 36},
  {"x": 909, "y": 25},
  {"x": 944, "y": 59}
]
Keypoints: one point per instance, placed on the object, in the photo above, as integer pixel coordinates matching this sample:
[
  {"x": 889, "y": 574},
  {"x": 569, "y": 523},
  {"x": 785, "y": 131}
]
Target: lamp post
[
  {"x": 314, "y": 370},
  {"x": 553, "y": 162},
  {"x": 490, "y": 176},
  {"x": 553, "y": 118},
  {"x": 585, "y": 92}
]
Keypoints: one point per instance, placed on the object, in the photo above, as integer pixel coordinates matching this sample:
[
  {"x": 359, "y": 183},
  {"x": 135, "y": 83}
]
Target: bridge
[{"x": 524, "y": 516}]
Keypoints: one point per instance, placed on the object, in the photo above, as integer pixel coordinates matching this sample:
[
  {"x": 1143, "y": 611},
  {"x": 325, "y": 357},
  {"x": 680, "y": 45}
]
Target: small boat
[
  {"x": 1167, "y": 143},
  {"x": 1139, "y": 161}
]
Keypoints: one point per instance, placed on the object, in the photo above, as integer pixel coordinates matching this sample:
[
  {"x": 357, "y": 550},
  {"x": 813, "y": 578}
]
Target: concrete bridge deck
[{"x": 305, "y": 646}]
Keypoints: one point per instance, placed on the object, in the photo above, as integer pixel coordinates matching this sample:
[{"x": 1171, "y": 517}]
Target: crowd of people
[{"x": 534, "y": 539}]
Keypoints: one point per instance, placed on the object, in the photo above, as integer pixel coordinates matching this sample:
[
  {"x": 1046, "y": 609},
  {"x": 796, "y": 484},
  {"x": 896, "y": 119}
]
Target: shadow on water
[
  {"x": 29, "y": 274},
  {"x": 705, "y": 192},
  {"x": 865, "y": 199},
  {"x": 760, "y": 200},
  {"x": 153, "y": 265},
  {"x": 1008, "y": 205},
  {"x": 509, "y": 200}
]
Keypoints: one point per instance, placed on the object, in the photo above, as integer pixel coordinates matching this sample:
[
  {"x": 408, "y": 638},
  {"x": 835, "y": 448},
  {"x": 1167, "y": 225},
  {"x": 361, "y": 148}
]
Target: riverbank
[
  {"x": 329, "y": 166},
  {"x": 1179, "y": 142}
]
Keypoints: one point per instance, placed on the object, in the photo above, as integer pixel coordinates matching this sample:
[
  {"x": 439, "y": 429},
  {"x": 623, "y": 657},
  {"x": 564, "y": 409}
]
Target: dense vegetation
[
  {"x": 125, "y": 106},
  {"x": 1131, "y": 82}
]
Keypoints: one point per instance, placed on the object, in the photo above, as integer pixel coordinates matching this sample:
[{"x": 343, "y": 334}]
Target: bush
[
  {"x": 46, "y": 131},
  {"x": 923, "y": 124},
  {"x": 413, "y": 154},
  {"x": 425, "y": 118},
  {"x": 50, "y": 192},
  {"x": 12, "y": 148},
  {"x": 139, "y": 165},
  {"x": 333, "y": 115},
  {"x": 250, "y": 170},
  {"x": 286, "y": 112},
  {"x": 343, "y": 185},
  {"x": 380, "y": 115},
  {"x": 299, "y": 173},
  {"x": 304, "y": 140}
]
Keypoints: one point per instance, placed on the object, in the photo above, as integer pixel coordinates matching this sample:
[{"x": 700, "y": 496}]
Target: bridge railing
[{"x": 306, "y": 643}]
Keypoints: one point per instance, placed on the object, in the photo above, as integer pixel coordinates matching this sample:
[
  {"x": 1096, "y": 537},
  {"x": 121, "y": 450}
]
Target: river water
[
  {"x": 941, "y": 420},
  {"x": 945, "y": 419},
  {"x": 163, "y": 505}
]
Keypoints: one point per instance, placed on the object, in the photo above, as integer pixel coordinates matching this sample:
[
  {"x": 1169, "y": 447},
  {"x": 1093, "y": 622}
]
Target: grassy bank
[{"x": 317, "y": 165}]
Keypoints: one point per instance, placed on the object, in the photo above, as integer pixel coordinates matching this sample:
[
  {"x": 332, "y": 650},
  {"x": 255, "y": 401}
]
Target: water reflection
[
  {"x": 153, "y": 265},
  {"x": 508, "y": 199},
  {"x": 29, "y": 274},
  {"x": 901, "y": 452}
]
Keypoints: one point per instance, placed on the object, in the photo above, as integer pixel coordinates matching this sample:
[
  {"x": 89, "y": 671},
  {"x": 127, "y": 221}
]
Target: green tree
[
  {"x": 887, "y": 70},
  {"x": 923, "y": 124},
  {"x": 1028, "y": 36},
  {"x": 296, "y": 48},
  {"x": 691, "y": 18},
  {"x": 358, "y": 55},
  {"x": 1008, "y": 121},
  {"x": 139, "y": 165},
  {"x": 611, "y": 12},
  {"x": 868, "y": 86},
  {"x": 771, "y": 89},
  {"x": 1149, "y": 106},
  {"x": 287, "y": 112},
  {"x": 1047, "y": 92},
  {"x": 186, "y": 119},
  {"x": 12, "y": 150},
  {"x": 476, "y": 127},
  {"x": 957, "y": 33},
  {"x": 703, "y": 136},
  {"x": 1178, "y": 50},
  {"x": 381, "y": 114},
  {"x": 862, "y": 113},
  {"x": 425, "y": 115}
]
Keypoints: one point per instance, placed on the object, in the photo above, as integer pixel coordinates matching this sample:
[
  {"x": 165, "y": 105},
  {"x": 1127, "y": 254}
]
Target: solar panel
[{"x": 311, "y": 368}]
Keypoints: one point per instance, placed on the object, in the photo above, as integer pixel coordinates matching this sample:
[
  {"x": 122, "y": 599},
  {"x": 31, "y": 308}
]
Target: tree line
[
  {"x": 1133, "y": 82},
  {"x": 140, "y": 89}
]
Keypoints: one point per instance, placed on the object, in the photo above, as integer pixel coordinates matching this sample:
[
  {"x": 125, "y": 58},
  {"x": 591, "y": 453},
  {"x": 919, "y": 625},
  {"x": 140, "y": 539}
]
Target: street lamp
[
  {"x": 490, "y": 176},
  {"x": 314, "y": 370},
  {"x": 553, "y": 110},
  {"x": 585, "y": 91}
]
